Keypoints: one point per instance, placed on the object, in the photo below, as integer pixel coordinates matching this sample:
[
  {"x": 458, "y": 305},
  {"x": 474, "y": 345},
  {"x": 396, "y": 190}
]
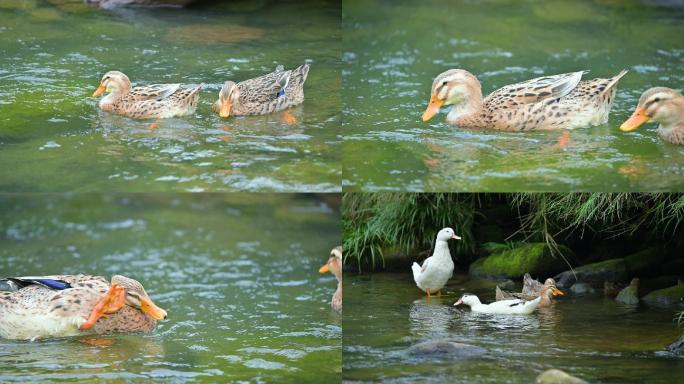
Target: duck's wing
[
  {"x": 531, "y": 286},
  {"x": 154, "y": 91},
  {"x": 265, "y": 88},
  {"x": 535, "y": 90},
  {"x": 54, "y": 282},
  {"x": 506, "y": 306},
  {"x": 501, "y": 294},
  {"x": 426, "y": 262}
]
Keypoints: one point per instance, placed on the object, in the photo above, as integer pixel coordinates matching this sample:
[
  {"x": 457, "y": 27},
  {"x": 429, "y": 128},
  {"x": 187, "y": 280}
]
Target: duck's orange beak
[
  {"x": 147, "y": 306},
  {"x": 224, "y": 111},
  {"x": 100, "y": 90},
  {"x": 638, "y": 117},
  {"x": 432, "y": 108},
  {"x": 325, "y": 268},
  {"x": 456, "y": 237},
  {"x": 459, "y": 302},
  {"x": 557, "y": 292}
]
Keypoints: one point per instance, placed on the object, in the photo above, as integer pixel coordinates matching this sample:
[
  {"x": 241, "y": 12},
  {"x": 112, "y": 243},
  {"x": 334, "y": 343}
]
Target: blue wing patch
[
  {"x": 280, "y": 93},
  {"x": 21, "y": 282}
]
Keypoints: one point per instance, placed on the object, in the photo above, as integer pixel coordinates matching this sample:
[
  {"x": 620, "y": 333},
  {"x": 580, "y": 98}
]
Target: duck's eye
[
  {"x": 444, "y": 83},
  {"x": 657, "y": 99}
]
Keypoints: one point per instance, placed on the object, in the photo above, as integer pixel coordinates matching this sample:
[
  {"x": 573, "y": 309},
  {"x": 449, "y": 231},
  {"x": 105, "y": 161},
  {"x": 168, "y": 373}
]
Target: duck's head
[
  {"x": 453, "y": 87},
  {"x": 660, "y": 104},
  {"x": 447, "y": 234},
  {"x": 113, "y": 82},
  {"x": 334, "y": 263},
  {"x": 136, "y": 297},
  {"x": 468, "y": 299},
  {"x": 228, "y": 94},
  {"x": 549, "y": 288}
]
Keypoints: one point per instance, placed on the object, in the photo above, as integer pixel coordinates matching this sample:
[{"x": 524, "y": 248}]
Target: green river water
[
  {"x": 392, "y": 50},
  {"x": 53, "y": 137},
  {"x": 237, "y": 274},
  {"x": 591, "y": 337}
]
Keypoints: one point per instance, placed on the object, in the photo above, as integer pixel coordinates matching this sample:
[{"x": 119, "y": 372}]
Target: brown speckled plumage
[
  {"x": 145, "y": 102},
  {"x": 548, "y": 102},
  {"x": 35, "y": 311},
  {"x": 664, "y": 106},
  {"x": 531, "y": 290},
  {"x": 266, "y": 94}
]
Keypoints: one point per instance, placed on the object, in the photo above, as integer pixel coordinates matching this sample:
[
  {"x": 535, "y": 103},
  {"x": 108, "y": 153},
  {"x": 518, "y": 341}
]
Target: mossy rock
[
  {"x": 595, "y": 274},
  {"x": 666, "y": 297},
  {"x": 536, "y": 259},
  {"x": 629, "y": 295},
  {"x": 646, "y": 261}
]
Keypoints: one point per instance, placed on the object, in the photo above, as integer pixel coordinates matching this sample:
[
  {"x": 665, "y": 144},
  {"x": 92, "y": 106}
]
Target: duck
[
  {"x": 262, "y": 95},
  {"x": 155, "y": 101},
  {"x": 661, "y": 105},
  {"x": 544, "y": 103},
  {"x": 504, "y": 307},
  {"x": 531, "y": 290},
  {"x": 438, "y": 268},
  {"x": 334, "y": 266},
  {"x": 38, "y": 307}
]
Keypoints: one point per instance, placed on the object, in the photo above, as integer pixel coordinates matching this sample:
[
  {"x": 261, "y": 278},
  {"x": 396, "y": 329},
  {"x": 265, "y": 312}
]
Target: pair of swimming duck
[
  {"x": 437, "y": 269},
  {"x": 262, "y": 95},
  {"x": 551, "y": 102}
]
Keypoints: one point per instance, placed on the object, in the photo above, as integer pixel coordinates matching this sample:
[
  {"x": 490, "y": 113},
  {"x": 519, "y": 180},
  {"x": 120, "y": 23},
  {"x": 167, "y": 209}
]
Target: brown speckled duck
[
  {"x": 664, "y": 106},
  {"x": 68, "y": 305},
  {"x": 549, "y": 102},
  {"x": 145, "y": 102},
  {"x": 334, "y": 266},
  {"x": 531, "y": 290},
  {"x": 262, "y": 95}
]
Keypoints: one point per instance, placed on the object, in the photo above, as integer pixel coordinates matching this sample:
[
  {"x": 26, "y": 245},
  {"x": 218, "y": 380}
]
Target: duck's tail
[
  {"x": 416, "y": 271},
  {"x": 301, "y": 73},
  {"x": 614, "y": 80}
]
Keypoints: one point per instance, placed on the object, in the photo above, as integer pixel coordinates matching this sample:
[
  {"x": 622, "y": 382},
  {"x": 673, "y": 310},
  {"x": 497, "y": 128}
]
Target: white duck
[
  {"x": 504, "y": 307},
  {"x": 438, "y": 268}
]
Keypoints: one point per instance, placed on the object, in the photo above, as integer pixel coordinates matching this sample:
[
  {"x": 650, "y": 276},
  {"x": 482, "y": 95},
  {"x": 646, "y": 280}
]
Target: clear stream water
[
  {"x": 54, "y": 138},
  {"x": 594, "y": 338},
  {"x": 392, "y": 50},
  {"x": 237, "y": 274}
]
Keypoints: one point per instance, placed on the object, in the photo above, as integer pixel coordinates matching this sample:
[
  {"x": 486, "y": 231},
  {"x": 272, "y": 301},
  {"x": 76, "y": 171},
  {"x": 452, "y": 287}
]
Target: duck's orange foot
[
  {"x": 154, "y": 126},
  {"x": 288, "y": 118},
  {"x": 112, "y": 301},
  {"x": 563, "y": 141}
]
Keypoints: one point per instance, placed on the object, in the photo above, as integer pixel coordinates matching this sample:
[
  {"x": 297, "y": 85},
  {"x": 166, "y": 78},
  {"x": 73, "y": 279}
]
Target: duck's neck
[
  {"x": 476, "y": 302},
  {"x": 467, "y": 112},
  {"x": 442, "y": 249},
  {"x": 111, "y": 98},
  {"x": 674, "y": 133}
]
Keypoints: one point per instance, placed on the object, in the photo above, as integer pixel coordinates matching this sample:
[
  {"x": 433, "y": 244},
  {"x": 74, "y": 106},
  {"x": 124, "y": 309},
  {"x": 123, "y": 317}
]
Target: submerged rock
[
  {"x": 594, "y": 274},
  {"x": 556, "y": 376},
  {"x": 582, "y": 289},
  {"x": 677, "y": 347},
  {"x": 536, "y": 258},
  {"x": 446, "y": 350},
  {"x": 667, "y": 297},
  {"x": 212, "y": 34},
  {"x": 630, "y": 294}
]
